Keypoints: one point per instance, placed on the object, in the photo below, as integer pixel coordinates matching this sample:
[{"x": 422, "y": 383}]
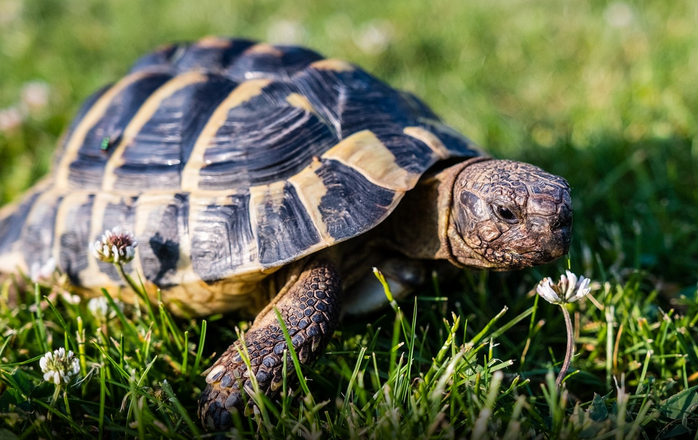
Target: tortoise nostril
[{"x": 564, "y": 220}]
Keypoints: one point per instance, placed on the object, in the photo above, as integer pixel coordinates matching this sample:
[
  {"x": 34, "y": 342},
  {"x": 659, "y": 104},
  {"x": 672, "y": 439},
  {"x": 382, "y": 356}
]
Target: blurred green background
[{"x": 601, "y": 92}]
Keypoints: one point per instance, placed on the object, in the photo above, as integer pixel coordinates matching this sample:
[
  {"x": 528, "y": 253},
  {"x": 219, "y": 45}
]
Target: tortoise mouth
[
  {"x": 541, "y": 252},
  {"x": 502, "y": 261},
  {"x": 471, "y": 251},
  {"x": 500, "y": 258}
]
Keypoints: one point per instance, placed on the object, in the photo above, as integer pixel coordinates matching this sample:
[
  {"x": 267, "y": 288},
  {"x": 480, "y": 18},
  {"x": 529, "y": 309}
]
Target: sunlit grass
[{"x": 420, "y": 371}]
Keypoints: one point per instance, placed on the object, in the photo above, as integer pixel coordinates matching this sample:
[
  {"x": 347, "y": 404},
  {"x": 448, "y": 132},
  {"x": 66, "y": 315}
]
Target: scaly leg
[{"x": 310, "y": 309}]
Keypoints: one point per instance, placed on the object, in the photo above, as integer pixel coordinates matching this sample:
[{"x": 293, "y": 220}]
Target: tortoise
[{"x": 259, "y": 177}]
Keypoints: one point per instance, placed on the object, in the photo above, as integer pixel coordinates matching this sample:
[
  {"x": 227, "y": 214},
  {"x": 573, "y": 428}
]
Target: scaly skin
[
  {"x": 310, "y": 310},
  {"x": 508, "y": 215}
]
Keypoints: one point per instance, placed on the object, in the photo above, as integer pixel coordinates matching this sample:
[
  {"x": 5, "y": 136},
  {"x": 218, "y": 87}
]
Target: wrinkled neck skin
[
  {"x": 420, "y": 227},
  {"x": 450, "y": 241}
]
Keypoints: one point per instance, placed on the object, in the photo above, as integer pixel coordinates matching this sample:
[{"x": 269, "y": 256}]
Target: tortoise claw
[
  {"x": 212, "y": 409},
  {"x": 234, "y": 400},
  {"x": 310, "y": 310}
]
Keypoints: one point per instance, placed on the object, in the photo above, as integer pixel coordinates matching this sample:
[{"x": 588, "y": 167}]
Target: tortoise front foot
[{"x": 310, "y": 309}]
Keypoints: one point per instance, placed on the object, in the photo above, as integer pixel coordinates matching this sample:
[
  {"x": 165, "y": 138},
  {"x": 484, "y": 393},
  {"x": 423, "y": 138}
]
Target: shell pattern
[{"x": 226, "y": 157}]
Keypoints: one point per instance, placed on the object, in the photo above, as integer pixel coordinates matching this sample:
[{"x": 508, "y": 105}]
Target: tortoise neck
[{"x": 420, "y": 225}]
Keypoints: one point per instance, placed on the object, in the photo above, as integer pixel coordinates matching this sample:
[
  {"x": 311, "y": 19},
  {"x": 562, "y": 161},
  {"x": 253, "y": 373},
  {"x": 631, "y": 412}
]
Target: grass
[
  {"x": 428, "y": 371},
  {"x": 599, "y": 92}
]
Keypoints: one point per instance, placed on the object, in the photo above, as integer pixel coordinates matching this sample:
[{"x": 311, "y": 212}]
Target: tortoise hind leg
[{"x": 310, "y": 309}]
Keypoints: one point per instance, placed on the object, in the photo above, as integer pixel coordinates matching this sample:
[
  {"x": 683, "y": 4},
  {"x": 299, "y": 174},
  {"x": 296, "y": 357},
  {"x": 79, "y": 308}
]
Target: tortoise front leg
[{"x": 310, "y": 309}]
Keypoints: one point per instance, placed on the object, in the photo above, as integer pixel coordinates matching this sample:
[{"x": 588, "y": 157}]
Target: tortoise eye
[{"x": 505, "y": 214}]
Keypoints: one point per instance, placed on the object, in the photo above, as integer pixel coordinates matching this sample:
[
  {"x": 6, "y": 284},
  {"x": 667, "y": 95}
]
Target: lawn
[{"x": 599, "y": 92}]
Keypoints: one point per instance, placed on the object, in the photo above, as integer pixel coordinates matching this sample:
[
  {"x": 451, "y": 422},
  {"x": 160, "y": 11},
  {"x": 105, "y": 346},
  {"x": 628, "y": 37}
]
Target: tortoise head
[{"x": 508, "y": 215}]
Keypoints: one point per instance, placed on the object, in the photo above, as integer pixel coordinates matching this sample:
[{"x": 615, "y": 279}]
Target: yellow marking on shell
[
  {"x": 251, "y": 256},
  {"x": 93, "y": 115},
  {"x": 334, "y": 65},
  {"x": 45, "y": 184},
  {"x": 144, "y": 114},
  {"x": 299, "y": 101},
  {"x": 12, "y": 261},
  {"x": 364, "y": 152},
  {"x": 440, "y": 127},
  {"x": 43, "y": 202},
  {"x": 47, "y": 194},
  {"x": 7, "y": 210},
  {"x": 430, "y": 139},
  {"x": 310, "y": 189},
  {"x": 252, "y": 214},
  {"x": 244, "y": 293},
  {"x": 71, "y": 202},
  {"x": 213, "y": 41},
  {"x": 191, "y": 298},
  {"x": 242, "y": 93},
  {"x": 264, "y": 48},
  {"x": 153, "y": 205},
  {"x": 263, "y": 197}
]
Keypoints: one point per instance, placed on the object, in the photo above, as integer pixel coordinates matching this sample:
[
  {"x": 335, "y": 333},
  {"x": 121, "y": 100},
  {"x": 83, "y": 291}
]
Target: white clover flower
[
  {"x": 116, "y": 246},
  {"x": 568, "y": 289},
  {"x": 374, "y": 37},
  {"x": 99, "y": 307},
  {"x": 70, "y": 298},
  {"x": 10, "y": 11},
  {"x": 619, "y": 14},
  {"x": 59, "y": 367},
  {"x": 39, "y": 272},
  {"x": 286, "y": 31},
  {"x": 35, "y": 96},
  {"x": 11, "y": 119}
]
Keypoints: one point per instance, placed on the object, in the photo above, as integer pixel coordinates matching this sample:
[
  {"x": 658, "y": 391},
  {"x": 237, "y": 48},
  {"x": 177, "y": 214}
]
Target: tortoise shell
[{"x": 226, "y": 157}]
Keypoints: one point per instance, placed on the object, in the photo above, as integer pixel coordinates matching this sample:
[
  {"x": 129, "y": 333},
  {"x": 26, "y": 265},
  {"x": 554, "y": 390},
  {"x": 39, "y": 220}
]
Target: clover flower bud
[
  {"x": 99, "y": 307},
  {"x": 116, "y": 246},
  {"x": 35, "y": 96},
  {"x": 59, "y": 367},
  {"x": 568, "y": 289},
  {"x": 39, "y": 272},
  {"x": 11, "y": 119}
]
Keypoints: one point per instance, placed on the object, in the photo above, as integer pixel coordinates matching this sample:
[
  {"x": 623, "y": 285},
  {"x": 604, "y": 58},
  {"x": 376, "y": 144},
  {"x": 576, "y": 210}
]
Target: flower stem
[
  {"x": 129, "y": 281},
  {"x": 570, "y": 346},
  {"x": 67, "y": 405},
  {"x": 137, "y": 292},
  {"x": 56, "y": 392}
]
